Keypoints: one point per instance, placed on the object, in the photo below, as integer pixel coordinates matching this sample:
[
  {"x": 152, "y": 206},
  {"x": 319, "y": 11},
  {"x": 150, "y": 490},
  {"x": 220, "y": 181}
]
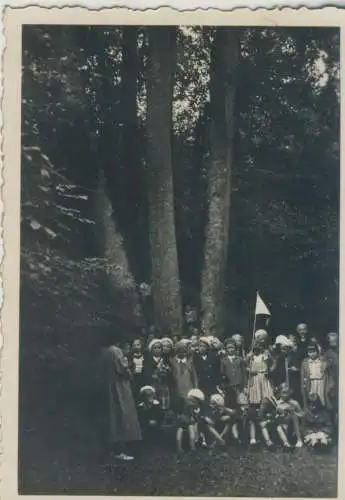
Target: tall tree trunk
[
  {"x": 224, "y": 61},
  {"x": 165, "y": 270},
  {"x": 121, "y": 281},
  {"x": 131, "y": 167}
]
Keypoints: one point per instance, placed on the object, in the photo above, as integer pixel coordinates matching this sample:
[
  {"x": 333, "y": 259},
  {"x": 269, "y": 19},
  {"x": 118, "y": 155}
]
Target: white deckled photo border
[{"x": 13, "y": 19}]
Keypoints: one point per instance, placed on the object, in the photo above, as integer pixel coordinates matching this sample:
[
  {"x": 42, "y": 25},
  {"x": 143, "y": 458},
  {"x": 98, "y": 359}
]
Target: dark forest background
[{"x": 202, "y": 162}]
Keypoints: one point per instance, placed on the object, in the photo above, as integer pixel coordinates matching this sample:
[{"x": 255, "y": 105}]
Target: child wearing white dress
[
  {"x": 314, "y": 375},
  {"x": 260, "y": 364}
]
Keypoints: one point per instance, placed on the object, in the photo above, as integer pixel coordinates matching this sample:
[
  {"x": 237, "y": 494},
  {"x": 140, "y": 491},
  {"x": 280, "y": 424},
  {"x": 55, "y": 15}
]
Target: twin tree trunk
[
  {"x": 165, "y": 271},
  {"x": 224, "y": 62}
]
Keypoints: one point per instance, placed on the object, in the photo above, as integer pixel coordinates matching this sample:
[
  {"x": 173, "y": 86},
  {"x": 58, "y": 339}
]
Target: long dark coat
[
  {"x": 207, "y": 371},
  {"x": 123, "y": 423}
]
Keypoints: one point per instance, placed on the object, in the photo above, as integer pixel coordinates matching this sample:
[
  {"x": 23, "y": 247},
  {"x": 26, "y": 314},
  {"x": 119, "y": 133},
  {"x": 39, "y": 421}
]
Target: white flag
[{"x": 261, "y": 307}]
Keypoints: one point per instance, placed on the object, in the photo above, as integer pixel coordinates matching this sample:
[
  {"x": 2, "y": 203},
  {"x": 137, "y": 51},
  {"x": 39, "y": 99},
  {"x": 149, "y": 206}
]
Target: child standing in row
[
  {"x": 206, "y": 365},
  {"x": 314, "y": 375},
  {"x": 233, "y": 373},
  {"x": 183, "y": 373},
  {"x": 157, "y": 372}
]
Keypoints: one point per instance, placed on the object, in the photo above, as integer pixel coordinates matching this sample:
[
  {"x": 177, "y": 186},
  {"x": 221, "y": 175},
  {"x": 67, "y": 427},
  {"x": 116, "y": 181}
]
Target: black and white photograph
[{"x": 179, "y": 260}]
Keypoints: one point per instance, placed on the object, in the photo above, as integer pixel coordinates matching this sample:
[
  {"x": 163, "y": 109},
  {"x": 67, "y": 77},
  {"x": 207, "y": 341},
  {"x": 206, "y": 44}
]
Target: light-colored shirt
[
  {"x": 182, "y": 360},
  {"x": 315, "y": 369},
  {"x": 138, "y": 364}
]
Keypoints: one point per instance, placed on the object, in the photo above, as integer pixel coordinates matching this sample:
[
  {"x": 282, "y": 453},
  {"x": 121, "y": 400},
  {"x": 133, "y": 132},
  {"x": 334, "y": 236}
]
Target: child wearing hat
[
  {"x": 217, "y": 419},
  {"x": 240, "y": 420},
  {"x": 188, "y": 418},
  {"x": 150, "y": 413},
  {"x": 167, "y": 348},
  {"x": 233, "y": 373},
  {"x": 260, "y": 365},
  {"x": 156, "y": 372}
]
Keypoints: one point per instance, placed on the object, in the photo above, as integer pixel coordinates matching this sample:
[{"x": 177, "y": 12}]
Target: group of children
[{"x": 214, "y": 393}]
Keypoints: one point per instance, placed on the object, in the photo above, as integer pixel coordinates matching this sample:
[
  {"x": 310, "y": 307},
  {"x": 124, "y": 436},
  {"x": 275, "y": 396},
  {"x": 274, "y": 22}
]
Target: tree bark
[
  {"x": 164, "y": 260},
  {"x": 131, "y": 168},
  {"x": 120, "y": 278},
  {"x": 224, "y": 62}
]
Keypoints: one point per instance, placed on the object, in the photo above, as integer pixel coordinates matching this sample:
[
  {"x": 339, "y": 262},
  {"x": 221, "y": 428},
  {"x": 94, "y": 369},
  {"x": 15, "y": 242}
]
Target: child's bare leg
[
  {"x": 281, "y": 429},
  {"x": 216, "y": 435},
  {"x": 266, "y": 435},
  {"x": 235, "y": 433},
  {"x": 192, "y": 436},
  {"x": 297, "y": 431},
  {"x": 225, "y": 431},
  {"x": 179, "y": 437},
  {"x": 252, "y": 433}
]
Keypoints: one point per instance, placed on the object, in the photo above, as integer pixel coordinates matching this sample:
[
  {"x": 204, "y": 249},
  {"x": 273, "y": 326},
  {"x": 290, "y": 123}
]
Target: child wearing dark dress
[
  {"x": 207, "y": 367},
  {"x": 136, "y": 365},
  {"x": 150, "y": 414},
  {"x": 317, "y": 427},
  {"x": 331, "y": 356},
  {"x": 233, "y": 373}
]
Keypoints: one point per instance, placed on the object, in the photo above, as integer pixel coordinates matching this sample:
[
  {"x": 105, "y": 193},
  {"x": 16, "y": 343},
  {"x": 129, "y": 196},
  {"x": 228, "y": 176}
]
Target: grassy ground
[{"x": 60, "y": 454}]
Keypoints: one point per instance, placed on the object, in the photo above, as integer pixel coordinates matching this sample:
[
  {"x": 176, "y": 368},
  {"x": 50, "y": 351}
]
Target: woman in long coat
[{"x": 122, "y": 424}]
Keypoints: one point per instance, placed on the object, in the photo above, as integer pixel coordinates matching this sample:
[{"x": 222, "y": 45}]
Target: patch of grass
[{"x": 61, "y": 455}]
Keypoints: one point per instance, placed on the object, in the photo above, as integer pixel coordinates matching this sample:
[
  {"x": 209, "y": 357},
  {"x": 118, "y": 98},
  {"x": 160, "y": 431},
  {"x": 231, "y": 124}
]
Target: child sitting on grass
[
  {"x": 267, "y": 419},
  {"x": 288, "y": 412},
  {"x": 240, "y": 419},
  {"x": 188, "y": 419},
  {"x": 217, "y": 419},
  {"x": 317, "y": 428},
  {"x": 150, "y": 413}
]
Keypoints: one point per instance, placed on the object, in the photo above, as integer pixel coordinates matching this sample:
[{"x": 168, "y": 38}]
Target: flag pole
[
  {"x": 254, "y": 323},
  {"x": 251, "y": 352}
]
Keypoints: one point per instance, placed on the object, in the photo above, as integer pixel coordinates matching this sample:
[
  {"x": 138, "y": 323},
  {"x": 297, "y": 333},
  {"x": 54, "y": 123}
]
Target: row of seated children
[{"x": 211, "y": 423}]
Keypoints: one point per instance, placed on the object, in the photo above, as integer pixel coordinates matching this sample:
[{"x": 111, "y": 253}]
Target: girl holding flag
[{"x": 260, "y": 362}]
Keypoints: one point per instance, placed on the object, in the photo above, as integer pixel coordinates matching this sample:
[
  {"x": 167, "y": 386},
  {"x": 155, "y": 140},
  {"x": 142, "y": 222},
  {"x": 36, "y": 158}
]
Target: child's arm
[
  {"x": 244, "y": 373},
  {"x": 194, "y": 375},
  {"x": 229, "y": 412},
  {"x": 272, "y": 363},
  {"x": 216, "y": 435},
  {"x": 298, "y": 410}
]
